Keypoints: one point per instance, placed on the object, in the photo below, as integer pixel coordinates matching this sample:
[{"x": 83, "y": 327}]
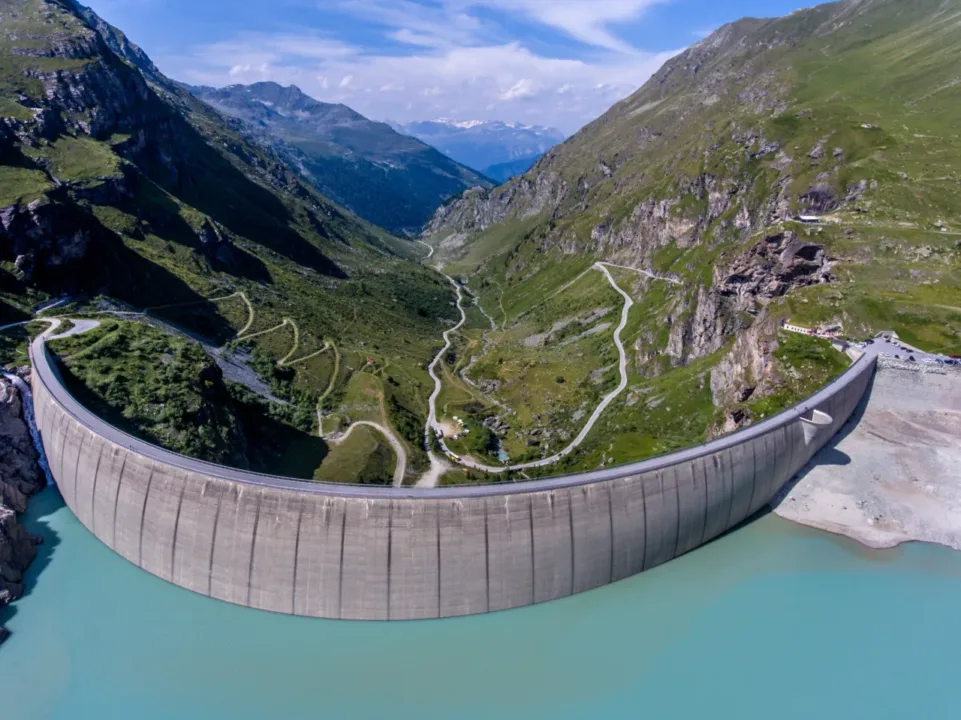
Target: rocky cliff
[
  {"x": 117, "y": 183},
  {"x": 20, "y": 477},
  {"x": 390, "y": 179},
  {"x": 89, "y": 127}
]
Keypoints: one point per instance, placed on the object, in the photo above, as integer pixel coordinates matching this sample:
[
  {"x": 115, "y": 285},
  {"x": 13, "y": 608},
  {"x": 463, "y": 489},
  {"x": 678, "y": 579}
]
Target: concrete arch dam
[{"x": 384, "y": 553}]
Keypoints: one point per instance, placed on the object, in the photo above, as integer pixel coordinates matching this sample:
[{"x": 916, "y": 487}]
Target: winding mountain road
[
  {"x": 399, "y": 450},
  {"x": 429, "y": 247},
  {"x": 79, "y": 327},
  {"x": 438, "y": 468}
]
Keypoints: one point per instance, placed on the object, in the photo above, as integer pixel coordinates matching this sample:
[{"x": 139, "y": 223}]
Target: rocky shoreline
[{"x": 20, "y": 478}]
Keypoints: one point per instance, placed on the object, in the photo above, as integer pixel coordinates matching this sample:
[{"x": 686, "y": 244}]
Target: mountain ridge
[
  {"x": 390, "y": 179},
  {"x": 482, "y": 144},
  {"x": 843, "y": 111},
  {"x": 122, "y": 190}
]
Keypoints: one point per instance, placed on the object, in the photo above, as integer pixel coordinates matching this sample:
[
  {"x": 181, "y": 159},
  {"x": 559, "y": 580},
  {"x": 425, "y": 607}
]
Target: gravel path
[
  {"x": 431, "y": 249},
  {"x": 396, "y": 444},
  {"x": 433, "y": 475},
  {"x": 437, "y": 466}
]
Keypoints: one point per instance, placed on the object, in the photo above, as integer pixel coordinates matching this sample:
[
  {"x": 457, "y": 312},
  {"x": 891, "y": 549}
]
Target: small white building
[{"x": 797, "y": 329}]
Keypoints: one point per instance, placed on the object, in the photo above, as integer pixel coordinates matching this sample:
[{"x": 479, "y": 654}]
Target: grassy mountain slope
[
  {"x": 117, "y": 184},
  {"x": 392, "y": 180},
  {"x": 847, "y": 111}
]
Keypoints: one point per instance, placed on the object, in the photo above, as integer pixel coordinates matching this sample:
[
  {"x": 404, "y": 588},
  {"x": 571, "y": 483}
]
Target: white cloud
[
  {"x": 522, "y": 88},
  {"x": 453, "y": 63},
  {"x": 588, "y": 21},
  {"x": 434, "y": 26}
]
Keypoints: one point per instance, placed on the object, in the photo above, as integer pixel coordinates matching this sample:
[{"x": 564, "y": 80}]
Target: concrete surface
[
  {"x": 370, "y": 552},
  {"x": 893, "y": 474}
]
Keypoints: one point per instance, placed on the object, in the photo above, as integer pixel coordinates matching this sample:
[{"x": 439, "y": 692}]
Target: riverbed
[{"x": 773, "y": 620}]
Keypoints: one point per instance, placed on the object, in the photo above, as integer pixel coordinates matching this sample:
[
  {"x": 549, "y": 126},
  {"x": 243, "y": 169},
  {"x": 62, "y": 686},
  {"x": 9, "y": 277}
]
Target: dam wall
[{"x": 384, "y": 553}]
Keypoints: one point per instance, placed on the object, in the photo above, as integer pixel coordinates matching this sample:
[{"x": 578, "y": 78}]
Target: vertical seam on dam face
[
  {"x": 704, "y": 479},
  {"x": 638, "y": 537},
  {"x": 300, "y": 520},
  {"x": 750, "y": 503},
  {"x": 570, "y": 514},
  {"x": 76, "y": 465},
  {"x": 253, "y": 544},
  {"x": 487, "y": 556},
  {"x": 729, "y": 492},
  {"x": 439, "y": 564},
  {"x": 340, "y": 576},
  {"x": 93, "y": 492},
  {"x": 644, "y": 510},
  {"x": 792, "y": 451},
  {"x": 173, "y": 545},
  {"x": 116, "y": 496},
  {"x": 390, "y": 540},
  {"x": 677, "y": 512},
  {"x": 610, "y": 518},
  {"x": 63, "y": 421},
  {"x": 213, "y": 544},
  {"x": 530, "y": 516},
  {"x": 143, "y": 515}
]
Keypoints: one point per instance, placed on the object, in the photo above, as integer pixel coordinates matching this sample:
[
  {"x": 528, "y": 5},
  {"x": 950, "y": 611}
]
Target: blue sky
[{"x": 549, "y": 62}]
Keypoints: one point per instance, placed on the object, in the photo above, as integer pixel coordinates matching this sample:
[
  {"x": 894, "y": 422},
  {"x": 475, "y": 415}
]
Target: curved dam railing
[{"x": 384, "y": 553}]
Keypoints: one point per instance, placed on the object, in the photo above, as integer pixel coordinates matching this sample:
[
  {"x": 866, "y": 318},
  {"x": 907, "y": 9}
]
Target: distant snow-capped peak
[
  {"x": 463, "y": 124},
  {"x": 491, "y": 125}
]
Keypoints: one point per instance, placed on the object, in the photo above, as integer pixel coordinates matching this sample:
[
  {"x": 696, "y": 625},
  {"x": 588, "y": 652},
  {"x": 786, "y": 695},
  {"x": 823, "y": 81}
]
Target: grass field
[{"x": 364, "y": 458}]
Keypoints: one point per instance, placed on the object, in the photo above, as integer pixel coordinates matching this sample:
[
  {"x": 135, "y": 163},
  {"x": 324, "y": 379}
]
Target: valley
[
  {"x": 156, "y": 211},
  {"x": 798, "y": 169},
  {"x": 619, "y": 299},
  {"x": 286, "y": 366},
  {"x": 487, "y": 434},
  {"x": 390, "y": 179}
]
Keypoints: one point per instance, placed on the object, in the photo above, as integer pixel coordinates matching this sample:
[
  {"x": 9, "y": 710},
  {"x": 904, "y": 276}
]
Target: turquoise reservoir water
[{"x": 773, "y": 621}]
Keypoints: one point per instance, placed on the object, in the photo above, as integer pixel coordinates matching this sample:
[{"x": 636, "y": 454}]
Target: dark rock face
[
  {"x": 36, "y": 235},
  {"x": 819, "y": 199},
  {"x": 773, "y": 266},
  {"x": 20, "y": 477}
]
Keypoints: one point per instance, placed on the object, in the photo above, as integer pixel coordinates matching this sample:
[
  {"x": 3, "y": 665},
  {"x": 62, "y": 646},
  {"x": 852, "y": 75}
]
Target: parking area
[{"x": 893, "y": 347}]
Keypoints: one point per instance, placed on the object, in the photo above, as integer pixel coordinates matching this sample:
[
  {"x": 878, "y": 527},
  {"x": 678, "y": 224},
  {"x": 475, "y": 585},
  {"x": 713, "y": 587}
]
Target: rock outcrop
[
  {"x": 20, "y": 477},
  {"x": 37, "y": 235},
  {"x": 708, "y": 176}
]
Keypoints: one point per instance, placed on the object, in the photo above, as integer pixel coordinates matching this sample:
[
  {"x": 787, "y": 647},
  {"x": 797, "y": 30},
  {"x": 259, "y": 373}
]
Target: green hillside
[
  {"x": 390, "y": 179},
  {"x": 120, "y": 189},
  {"x": 848, "y": 112}
]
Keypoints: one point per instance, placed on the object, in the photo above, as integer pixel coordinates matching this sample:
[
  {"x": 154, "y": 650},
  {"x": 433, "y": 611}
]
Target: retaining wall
[{"x": 380, "y": 553}]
